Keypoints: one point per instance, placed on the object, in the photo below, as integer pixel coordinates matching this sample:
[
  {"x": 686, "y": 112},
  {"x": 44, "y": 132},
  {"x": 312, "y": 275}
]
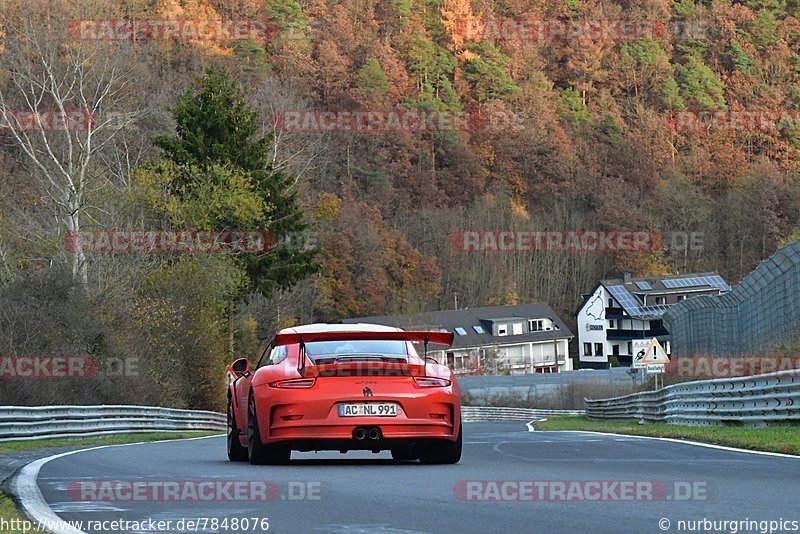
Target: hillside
[{"x": 687, "y": 126}]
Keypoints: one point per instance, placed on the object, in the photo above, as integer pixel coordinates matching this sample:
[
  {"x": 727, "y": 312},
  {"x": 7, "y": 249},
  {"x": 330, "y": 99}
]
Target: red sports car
[{"x": 345, "y": 387}]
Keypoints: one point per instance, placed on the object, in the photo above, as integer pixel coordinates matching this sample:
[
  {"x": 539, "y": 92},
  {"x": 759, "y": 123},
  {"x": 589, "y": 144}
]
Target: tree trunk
[
  {"x": 79, "y": 268},
  {"x": 231, "y": 333}
]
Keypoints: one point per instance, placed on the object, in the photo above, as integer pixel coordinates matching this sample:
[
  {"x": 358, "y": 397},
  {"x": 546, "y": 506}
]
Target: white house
[
  {"x": 619, "y": 311},
  {"x": 527, "y": 338}
]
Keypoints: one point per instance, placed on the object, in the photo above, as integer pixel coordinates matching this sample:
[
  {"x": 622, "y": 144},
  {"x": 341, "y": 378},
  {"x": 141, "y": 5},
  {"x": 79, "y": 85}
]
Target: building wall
[
  {"x": 590, "y": 318},
  {"x": 593, "y": 327},
  {"x": 522, "y": 357},
  {"x": 763, "y": 310}
]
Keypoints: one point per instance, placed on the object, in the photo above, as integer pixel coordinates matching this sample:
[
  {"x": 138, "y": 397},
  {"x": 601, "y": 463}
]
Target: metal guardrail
[
  {"x": 41, "y": 422},
  {"x": 497, "y": 413},
  {"x": 36, "y": 422},
  {"x": 753, "y": 400}
]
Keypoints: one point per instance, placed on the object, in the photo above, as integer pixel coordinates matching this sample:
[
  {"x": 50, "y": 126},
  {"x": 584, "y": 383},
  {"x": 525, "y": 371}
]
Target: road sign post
[{"x": 651, "y": 356}]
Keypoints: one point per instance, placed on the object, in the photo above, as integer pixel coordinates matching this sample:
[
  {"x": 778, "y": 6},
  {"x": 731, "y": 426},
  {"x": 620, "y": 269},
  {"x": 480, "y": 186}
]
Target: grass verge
[
  {"x": 8, "y": 509},
  {"x": 14, "y": 446},
  {"x": 785, "y": 439}
]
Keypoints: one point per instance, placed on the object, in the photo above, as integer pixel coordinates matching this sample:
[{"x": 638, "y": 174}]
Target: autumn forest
[{"x": 577, "y": 131}]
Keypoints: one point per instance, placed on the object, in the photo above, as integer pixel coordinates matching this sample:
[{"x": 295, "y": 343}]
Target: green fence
[{"x": 764, "y": 309}]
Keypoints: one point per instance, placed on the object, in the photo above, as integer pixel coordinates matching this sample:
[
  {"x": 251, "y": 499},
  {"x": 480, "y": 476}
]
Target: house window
[
  {"x": 661, "y": 300},
  {"x": 516, "y": 328},
  {"x": 502, "y": 330},
  {"x": 681, "y": 297},
  {"x": 478, "y": 329},
  {"x": 598, "y": 349},
  {"x": 587, "y": 349},
  {"x": 615, "y": 350},
  {"x": 611, "y": 323},
  {"x": 630, "y": 347},
  {"x": 460, "y": 331},
  {"x": 610, "y": 303},
  {"x": 535, "y": 325}
]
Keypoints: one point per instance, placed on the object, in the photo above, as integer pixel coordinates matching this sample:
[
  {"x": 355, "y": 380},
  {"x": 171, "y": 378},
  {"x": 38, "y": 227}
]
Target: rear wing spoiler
[{"x": 437, "y": 338}]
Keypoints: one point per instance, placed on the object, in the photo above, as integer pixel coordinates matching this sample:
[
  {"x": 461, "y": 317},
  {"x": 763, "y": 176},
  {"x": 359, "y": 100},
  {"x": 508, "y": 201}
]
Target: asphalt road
[{"x": 362, "y": 492}]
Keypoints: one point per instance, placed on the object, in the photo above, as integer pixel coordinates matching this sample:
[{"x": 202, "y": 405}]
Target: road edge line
[
  {"x": 530, "y": 426},
  {"x": 25, "y": 488},
  {"x": 685, "y": 442}
]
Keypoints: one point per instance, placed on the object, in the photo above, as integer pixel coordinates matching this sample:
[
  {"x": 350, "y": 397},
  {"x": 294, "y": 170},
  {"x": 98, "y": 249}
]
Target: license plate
[{"x": 368, "y": 410}]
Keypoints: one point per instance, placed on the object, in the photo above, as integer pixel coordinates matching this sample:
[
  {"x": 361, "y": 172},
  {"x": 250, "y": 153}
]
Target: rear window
[{"x": 346, "y": 348}]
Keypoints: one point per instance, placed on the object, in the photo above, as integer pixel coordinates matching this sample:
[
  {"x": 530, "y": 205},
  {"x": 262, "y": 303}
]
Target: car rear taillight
[
  {"x": 294, "y": 383},
  {"x": 427, "y": 382}
]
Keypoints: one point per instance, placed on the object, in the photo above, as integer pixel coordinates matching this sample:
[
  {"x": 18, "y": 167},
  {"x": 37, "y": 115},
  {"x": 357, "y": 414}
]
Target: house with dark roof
[
  {"x": 526, "y": 338},
  {"x": 620, "y": 311}
]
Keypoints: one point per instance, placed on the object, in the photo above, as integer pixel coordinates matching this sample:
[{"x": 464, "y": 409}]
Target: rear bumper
[
  {"x": 344, "y": 431},
  {"x": 307, "y": 445},
  {"x": 312, "y": 415}
]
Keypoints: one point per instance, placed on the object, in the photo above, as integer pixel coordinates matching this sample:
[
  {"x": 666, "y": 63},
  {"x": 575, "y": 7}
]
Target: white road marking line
[
  {"x": 26, "y": 488},
  {"x": 496, "y": 448},
  {"x": 529, "y": 424},
  {"x": 84, "y": 506},
  {"x": 630, "y": 437}
]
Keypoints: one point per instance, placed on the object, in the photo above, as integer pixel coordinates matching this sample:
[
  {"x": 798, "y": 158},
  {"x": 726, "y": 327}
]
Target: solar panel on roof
[
  {"x": 644, "y": 285},
  {"x": 654, "y": 311},
  {"x": 625, "y": 299},
  {"x": 713, "y": 281},
  {"x": 632, "y": 305},
  {"x": 718, "y": 282}
]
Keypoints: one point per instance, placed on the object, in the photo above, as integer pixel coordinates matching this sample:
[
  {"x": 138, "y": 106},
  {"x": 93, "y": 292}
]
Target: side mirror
[{"x": 241, "y": 367}]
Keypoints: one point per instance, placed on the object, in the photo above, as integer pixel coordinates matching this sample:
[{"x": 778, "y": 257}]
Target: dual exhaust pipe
[{"x": 363, "y": 432}]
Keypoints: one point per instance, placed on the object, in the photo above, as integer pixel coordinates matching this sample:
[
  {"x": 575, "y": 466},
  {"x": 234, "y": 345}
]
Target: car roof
[{"x": 325, "y": 327}]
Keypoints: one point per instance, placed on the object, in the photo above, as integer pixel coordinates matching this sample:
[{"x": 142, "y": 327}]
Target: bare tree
[
  {"x": 296, "y": 151},
  {"x": 5, "y": 263},
  {"x": 56, "y": 102}
]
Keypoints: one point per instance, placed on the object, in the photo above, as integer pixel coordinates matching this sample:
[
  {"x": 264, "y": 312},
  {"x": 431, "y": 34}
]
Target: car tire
[
  {"x": 236, "y": 452},
  {"x": 442, "y": 452},
  {"x": 257, "y": 452}
]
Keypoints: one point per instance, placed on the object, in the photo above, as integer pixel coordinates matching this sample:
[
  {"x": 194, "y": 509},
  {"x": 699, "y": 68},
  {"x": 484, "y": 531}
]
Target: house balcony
[{"x": 618, "y": 334}]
